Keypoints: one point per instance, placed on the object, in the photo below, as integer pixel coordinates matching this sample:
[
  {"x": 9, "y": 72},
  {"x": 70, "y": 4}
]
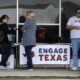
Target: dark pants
[
  {"x": 29, "y": 56},
  {"x": 5, "y": 51}
]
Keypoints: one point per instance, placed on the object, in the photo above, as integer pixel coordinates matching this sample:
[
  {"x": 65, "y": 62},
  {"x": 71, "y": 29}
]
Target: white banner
[{"x": 48, "y": 54}]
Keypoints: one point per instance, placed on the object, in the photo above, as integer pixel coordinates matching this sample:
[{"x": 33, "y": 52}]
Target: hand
[
  {"x": 15, "y": 28},
  {"x": 78, "y": 28},
  {"x": 24, "y": 30}
]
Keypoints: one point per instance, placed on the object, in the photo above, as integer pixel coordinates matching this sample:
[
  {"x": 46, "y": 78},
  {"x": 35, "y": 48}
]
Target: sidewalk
[{"x": 40, "y": 73}]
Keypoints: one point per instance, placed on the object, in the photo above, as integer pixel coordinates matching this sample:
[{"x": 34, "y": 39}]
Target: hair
[
  {"x": 30, "y": 11},
  {"x": 3, "y": 17},
  {"x": 76, "y": 11}
]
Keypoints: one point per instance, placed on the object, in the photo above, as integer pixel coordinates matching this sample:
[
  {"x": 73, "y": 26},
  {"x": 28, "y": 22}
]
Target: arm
[
  {"x": 5, "y": 28},
  {"x": 26, "y": 25},
  {"x": 72, "y": 27},
  {"x": 23, "y": 29}
]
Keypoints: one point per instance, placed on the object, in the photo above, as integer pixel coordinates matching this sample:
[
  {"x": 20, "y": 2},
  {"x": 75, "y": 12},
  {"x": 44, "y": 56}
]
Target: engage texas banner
[{"x": 48, "y": 54}]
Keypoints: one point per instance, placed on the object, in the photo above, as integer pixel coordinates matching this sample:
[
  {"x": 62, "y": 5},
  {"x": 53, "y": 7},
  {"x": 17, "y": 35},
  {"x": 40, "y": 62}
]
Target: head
[
  {"x": 77, "y": 11},
  {"x": 30, "y": 14},
  {"x": 4, "y": 19}
]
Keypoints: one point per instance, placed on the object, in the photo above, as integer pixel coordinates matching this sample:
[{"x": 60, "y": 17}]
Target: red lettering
[
  {"x": 52, "y": 57},
  {"x": 46, "y": 57},
  {"x": 59, "y": 58},
  {"x": 41, "y": 57},
  {"x": 65, "y": 58}
]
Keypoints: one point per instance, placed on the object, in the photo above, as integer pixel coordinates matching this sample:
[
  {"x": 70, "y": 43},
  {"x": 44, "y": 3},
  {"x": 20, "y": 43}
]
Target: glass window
[{"x": 47, "y": 17}]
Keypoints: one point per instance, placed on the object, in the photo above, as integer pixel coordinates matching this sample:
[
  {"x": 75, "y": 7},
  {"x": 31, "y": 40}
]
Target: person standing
[
  {"x": 73, "y": 25},
  {"x": 29, "y": 38},
  {"x": 5, "y": 43}
]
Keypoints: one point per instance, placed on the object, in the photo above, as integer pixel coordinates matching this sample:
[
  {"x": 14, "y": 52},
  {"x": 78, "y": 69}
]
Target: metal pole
[
  {"x": 17, "y": 21},
  {"x": 59, "y": 18},
  {"x": 17, "y": 55},
  {"x": 60, "y": 21}
]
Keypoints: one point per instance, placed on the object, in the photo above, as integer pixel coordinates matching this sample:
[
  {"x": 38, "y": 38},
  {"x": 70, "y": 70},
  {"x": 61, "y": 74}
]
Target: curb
[{"x": 50, "y": 77}]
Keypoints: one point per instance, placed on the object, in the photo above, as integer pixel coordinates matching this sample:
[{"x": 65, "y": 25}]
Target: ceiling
[
  {"x": 74, "y": 1},
  {"x": 6, "y": 3},
  {"x": 12, "y": 3}
]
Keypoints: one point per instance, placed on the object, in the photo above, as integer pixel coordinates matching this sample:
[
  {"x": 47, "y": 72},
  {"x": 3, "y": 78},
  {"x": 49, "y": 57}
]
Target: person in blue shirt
[{"x": 29, "y": 38}]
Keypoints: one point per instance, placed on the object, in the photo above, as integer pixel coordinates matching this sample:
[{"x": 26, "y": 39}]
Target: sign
[{"x": 48, "y": 54}]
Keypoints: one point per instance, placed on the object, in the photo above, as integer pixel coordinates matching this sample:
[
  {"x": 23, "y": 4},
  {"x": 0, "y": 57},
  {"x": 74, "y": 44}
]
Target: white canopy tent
[{"x": 9, "y": 3}]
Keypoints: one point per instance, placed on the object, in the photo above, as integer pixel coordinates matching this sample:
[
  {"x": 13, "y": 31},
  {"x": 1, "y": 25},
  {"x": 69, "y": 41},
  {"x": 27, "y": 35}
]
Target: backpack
[{"x": 1, "y": 35}]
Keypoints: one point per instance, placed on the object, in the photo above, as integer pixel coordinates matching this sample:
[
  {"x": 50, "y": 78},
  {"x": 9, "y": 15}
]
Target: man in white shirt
[{"x": 73, "y": 25}]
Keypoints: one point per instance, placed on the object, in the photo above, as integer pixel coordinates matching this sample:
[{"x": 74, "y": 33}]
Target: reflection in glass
[{"x": 46, "y": 10}]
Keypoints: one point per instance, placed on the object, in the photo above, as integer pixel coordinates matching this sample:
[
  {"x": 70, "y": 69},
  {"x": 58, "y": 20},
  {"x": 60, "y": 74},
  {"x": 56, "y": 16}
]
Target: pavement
[{"x": 40, "y": 73}]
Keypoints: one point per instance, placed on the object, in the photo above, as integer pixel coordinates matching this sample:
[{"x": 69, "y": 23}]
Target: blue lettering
[
  {"x": 55, "y": 51},
  {"x": 45, "y": 50},
  {"x": 65, "y": 50},
  {"x": 50, "y": 50},
  {"x": 60, "y": 50},
  {"x": 40, "y": 50}
]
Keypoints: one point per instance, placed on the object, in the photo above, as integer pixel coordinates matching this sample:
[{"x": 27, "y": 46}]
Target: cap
[{"x": 77, "y": 10}]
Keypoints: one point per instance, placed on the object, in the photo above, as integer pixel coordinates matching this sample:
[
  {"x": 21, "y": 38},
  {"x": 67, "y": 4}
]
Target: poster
[{"x": 48, "y": 54}]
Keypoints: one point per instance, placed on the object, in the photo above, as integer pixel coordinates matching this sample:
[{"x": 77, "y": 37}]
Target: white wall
[
  {"x": 47, "y": 15},
  {"x": 11, "y": 13}
]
